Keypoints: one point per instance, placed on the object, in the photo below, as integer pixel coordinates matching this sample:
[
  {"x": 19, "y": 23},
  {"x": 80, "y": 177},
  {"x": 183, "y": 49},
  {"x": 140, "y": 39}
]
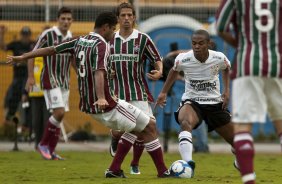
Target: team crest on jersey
[
  {"x": 214, "y": 69},
  {"x": 136, "y": 48},
  {"x": 111, "y": 46}
]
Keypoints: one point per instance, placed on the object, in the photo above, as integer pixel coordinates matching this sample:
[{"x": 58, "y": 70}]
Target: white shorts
[
  {"x": 124, "y": 117},
  {"x": 143, "y": 106},
  {"x": 56, "y": 98},
  {"x": 254, "y": 97}
]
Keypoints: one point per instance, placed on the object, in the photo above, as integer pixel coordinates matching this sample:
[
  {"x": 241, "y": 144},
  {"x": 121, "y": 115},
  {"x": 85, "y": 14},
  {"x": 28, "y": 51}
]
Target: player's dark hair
[
  {"x": 64, "y": 10},
  {"x": 125, "y": 5},
  {"x": 202, "y": 32},
  {"x": 106, "y": 17}
]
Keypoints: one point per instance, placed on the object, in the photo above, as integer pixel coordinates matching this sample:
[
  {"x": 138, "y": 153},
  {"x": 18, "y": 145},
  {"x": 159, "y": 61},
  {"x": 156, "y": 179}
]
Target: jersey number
[
  {"x": 81, "y": 69},
  {"x": 260, "y": 12}
]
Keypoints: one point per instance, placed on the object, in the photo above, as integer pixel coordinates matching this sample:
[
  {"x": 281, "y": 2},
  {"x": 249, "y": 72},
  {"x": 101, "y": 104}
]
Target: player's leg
[
  {"x": 115, "y": 136},
  {"x": 278, "y": 127},
  {"x": 136, "y": 121},
  {"x": 247, "y": 108},
  {"x": 244, "y": 148},
  {"x": 152, "y": 143},
  {"x": 187, "y": 119},
  {"x": 138, "y": 146},
  {"x": 273, "y": 93},
  {"x": 226, "y": 132},
  {"x": 54, "y": 100}
]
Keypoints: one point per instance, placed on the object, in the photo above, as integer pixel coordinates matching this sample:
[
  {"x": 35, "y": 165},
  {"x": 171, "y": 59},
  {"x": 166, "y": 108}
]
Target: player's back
[
  {"x": 258, "y": 25},
  {"x": 91, "y": 53}
]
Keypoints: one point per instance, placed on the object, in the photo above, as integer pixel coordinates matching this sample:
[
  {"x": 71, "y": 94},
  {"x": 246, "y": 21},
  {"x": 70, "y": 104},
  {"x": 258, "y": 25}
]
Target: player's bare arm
[
  {"x": 226, "y": 91},
  {"x": 157, "y": 73},
  {"x": 99, "y": 88},
  {"x": 171, "y": 78},
  {"x": 36, "y": 53},
  {"x": 229, "y": 38},
  {"x": 30, "y": 80}
]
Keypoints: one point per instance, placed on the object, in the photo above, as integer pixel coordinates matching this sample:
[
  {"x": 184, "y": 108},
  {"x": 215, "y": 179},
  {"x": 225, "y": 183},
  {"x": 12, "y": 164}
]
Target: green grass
[{"x": 89, "y": 167}]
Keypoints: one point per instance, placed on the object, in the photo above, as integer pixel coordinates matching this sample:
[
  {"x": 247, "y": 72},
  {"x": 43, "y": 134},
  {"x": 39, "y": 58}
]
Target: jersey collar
[
  {"x": 96, "y": 34},
  {"x": 59, "y": 33},
  {"x": 133, "y": 35}
]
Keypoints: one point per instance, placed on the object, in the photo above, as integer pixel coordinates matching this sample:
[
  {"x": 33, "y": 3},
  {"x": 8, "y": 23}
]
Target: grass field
[{"x": 89, "y": 167}]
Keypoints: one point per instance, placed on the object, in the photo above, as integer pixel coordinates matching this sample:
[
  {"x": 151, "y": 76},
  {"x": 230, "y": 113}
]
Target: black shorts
[{"x": 213, "y": 114}]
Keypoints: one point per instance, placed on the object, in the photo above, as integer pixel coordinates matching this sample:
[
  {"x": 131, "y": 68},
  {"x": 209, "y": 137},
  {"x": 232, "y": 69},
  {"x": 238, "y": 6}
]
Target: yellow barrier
[{"x": 73, "y": 119}]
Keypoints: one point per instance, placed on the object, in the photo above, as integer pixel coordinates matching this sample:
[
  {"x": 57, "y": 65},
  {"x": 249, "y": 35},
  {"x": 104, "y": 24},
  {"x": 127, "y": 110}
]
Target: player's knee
[
  {"x": 59, "y": 113},
  {"x": 151, "y": 127},
  {"x": 186, "y": 125}
]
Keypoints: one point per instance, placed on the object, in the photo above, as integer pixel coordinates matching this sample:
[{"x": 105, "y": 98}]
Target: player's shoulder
[
  {"x": 46, "y": 31},
  {"x": 217, "y": 55},
  {"x": 142, "y": 33},
  {"x": 187, "y": 54}
]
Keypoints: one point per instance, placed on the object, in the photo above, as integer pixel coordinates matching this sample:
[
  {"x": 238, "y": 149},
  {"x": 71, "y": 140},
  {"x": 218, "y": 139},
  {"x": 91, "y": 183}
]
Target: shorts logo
[
  {"x": 130, "y": 106},
  {"x": 55, "y": 98}
]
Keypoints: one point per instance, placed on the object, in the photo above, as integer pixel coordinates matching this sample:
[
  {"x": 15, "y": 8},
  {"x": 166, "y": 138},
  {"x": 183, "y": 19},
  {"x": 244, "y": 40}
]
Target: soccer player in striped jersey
[
  {"x": 257, "y": 84},
  {"x": 54, "y": 82},
  {"x": 130, "y": 49},
  {"x": 92, "y": 60},
  {"x": 202, "y": 99}
]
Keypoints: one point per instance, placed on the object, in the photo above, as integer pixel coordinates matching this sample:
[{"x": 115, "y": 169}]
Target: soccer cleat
[
  {"x": 44, "y": 151},
  {"x": 235, "y": 164},
  {"x": 134, "y": 169},
  {"x": 113, "y": 146},
  {"x": 56, "y": 157},
  {"x": 111, "y": 174},
  {"x": 193, "y": 166},
  {"x": 166, "y": 174}
]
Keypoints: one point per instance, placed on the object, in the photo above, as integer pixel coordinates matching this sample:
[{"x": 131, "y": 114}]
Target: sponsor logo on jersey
[
  {"x": 124, "y": 57},
  {"x": 201, "y": 85},
  {"x": 217, "y": 57},
  {"x": 185, "y": 60},
  {"x": 86, "y": 43}
]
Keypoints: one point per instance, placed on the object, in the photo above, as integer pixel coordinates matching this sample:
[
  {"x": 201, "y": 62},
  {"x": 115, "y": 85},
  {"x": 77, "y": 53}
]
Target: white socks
[{"x": 185, "y": 145}]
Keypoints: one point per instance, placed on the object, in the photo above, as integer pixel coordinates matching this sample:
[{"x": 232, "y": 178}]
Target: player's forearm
[
  {"x": 30, "y": 67},
  {"x": 172, "y": 76},
  {"x": 99, "y": 84},
  {"x": 229, "y": 38},
  {"x": 47, "y": 51},
  {"x": 159, "y": 66},
  {"x": 226, "y": 79}
]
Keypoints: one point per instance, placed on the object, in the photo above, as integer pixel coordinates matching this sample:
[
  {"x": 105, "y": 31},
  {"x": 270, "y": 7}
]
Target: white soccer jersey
[{"x": 202, "y": 79}]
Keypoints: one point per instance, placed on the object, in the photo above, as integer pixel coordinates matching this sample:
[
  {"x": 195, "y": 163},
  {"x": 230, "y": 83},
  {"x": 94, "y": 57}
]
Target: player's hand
[
  {"x": 102, "y": 104},
  {"x": 29, "y": 84},
  {"x": 11, "y": 60},
  {"x": 225, "y": 98},
  {"x": 154, "y": 75},
  {"x": 112, "y": 74},
  {"x": 161, "y": 100}
]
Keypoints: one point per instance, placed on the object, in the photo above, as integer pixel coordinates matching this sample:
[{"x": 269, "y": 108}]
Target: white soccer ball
[{"x": 181, "y": 169}]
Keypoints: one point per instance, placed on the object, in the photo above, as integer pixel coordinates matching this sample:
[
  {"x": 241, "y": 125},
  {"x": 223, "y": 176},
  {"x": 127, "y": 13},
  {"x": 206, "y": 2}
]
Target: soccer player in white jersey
[
  {"x": 92, "y": 60},
  {"x": 202, "y": 99}
]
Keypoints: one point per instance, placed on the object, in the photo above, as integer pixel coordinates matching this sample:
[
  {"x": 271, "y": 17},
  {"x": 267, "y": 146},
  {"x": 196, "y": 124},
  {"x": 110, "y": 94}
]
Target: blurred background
[{"x": 168, "y": 22}]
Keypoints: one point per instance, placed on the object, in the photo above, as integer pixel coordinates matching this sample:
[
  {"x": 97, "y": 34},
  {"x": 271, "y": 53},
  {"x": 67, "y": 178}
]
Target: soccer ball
[{"x": 181, "y": 169}]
